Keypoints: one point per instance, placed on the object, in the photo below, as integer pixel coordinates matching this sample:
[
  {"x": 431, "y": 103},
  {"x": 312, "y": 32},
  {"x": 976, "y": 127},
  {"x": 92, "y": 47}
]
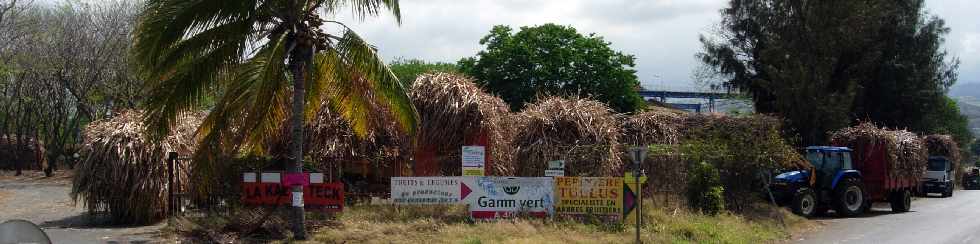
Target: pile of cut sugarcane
[{"x": 904, "y": 151}]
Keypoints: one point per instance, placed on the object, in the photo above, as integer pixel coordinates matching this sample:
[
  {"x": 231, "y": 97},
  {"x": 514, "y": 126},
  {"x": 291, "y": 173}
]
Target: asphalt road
[
  {"x": 931, "y": 220},
  {"x": 45, "y": 202}
]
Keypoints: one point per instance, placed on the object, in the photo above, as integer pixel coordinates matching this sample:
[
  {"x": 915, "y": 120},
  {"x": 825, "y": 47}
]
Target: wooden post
[{"x": 171, "y": 164}]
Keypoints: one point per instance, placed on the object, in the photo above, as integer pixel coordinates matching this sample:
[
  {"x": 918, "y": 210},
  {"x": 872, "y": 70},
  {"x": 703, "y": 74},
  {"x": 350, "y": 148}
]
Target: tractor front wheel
[
  {"x": 805, "y": 203},
  {"x": 849, "y": 198}
]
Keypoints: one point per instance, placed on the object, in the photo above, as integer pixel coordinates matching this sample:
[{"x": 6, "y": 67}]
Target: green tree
[
  {"x": 826, "y": 64},
  {"x": 553, "y": 60},
  {"x": 256, "y": 54},
  {"x": 407, "y": 70},
  {"x": 948, "y": 120}
]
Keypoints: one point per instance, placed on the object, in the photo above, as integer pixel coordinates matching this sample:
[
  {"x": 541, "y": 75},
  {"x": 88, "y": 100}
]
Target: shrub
[
  {"x": 704, "y": 190},
  {"x": 744, "y": 150}
]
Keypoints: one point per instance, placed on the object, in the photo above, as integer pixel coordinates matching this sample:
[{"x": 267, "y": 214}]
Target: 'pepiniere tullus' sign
[{"x": 589, "y": 196}]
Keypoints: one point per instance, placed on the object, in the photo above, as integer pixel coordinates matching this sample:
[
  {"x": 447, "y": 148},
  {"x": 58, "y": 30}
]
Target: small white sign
[
  {"x": 248, "y": 177},
  {"x": 554, "y": 173},
  {"x": 316, "y": 178},
  {"x": 556, "y": 168},
  {"x": 474, "y": 160},
  {"x": 271, "y": 178},
  {"x": 556, "y": 164},
  {"x": 297, "y": 199},
  {"x": 474, "y": 156}
]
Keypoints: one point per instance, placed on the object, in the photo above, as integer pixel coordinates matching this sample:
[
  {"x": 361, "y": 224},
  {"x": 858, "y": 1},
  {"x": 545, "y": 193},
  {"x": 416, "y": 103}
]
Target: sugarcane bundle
[
  {"x": 660, "y": 126},
  {"x": 584, "y": 133},
  {"x": 904, "y": 151},
  {"x": 124, "y": 173},
  {"x": 332, "y": 140},
  {"x": 943, "y": 145},
  {"x": 330, "y": 143},
  {"x": 453, "y": 112}
]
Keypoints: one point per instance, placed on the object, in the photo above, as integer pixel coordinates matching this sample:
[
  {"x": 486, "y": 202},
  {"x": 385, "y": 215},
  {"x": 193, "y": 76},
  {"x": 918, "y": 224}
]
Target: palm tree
[{"x": 250, "y": 52}]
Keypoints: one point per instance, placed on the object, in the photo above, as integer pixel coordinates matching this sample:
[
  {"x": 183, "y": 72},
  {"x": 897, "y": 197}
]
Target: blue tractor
[{"x": 832, "y": 182}]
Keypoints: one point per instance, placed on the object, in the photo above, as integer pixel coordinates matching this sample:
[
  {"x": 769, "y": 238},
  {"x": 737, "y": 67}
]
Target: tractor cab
[{"x": 829, "y": 164}]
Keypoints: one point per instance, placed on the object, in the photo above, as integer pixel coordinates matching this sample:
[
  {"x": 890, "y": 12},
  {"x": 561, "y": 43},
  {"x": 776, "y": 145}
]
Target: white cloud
[
  {"x": 662, "y": 34},
  {"x": 971, "y": 43},
  {"x": 963, "y": 41}
]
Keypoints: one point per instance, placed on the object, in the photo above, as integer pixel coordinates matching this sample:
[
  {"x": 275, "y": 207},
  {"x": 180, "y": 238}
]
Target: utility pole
[{"x": 638, "y": 154}]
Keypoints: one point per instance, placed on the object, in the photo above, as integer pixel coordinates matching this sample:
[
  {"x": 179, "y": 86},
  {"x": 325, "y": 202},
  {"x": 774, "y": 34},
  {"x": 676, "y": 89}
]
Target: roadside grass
[{"x": 450, "y": 224}]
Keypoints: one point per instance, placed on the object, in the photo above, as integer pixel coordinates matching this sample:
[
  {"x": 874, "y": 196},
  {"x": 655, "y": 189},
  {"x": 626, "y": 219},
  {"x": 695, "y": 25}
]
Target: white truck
[{"x": 939, "y": 177}]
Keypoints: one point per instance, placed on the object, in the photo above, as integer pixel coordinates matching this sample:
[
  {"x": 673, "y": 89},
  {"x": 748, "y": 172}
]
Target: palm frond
[
  {"x": 364, "y": 62},
  {"x": 184, "y": 47},
  {"x": 165, "y": 23},
  {"x": 186, "y": 85},
  {"x": 248, "y": 113},
  {"x": 348, "y": 93},
  {"x": 364, "y": 8},
  {"x": 254, "y": 102}
]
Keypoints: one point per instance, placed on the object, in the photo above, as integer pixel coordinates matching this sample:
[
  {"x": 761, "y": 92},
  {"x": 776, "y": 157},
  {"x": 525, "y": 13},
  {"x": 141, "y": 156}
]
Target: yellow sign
[
  {"x": 632, "y": 193},
  {"x": 629, "y": 179},
  {"x": 589, "y": 195},
  {"x": 473, "y": 171}
]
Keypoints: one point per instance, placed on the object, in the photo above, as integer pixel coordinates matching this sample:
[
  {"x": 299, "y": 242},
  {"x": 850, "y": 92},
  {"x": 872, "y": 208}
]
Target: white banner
[
  {"x": 425, "y": 190},
  {"x": 494, "y": 197}
]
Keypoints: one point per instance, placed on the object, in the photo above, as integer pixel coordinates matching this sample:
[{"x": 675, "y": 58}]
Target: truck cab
[
  {"x": 939, "y": 177},
  {"x": 832, "y": 182},
  {"x": 971, "y": 180}
]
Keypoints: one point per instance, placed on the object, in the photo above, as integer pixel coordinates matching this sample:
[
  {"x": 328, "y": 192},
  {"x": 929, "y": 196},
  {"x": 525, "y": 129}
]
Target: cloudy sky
[{"x": 662, "y": 34}]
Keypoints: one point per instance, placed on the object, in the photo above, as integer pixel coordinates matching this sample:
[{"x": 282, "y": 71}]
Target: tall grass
[{"x": 449, "y": 224}]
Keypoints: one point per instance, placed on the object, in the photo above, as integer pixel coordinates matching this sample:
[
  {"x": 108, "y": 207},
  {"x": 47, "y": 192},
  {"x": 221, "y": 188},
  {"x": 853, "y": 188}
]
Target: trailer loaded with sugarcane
[{"x": 866, "y": 164}]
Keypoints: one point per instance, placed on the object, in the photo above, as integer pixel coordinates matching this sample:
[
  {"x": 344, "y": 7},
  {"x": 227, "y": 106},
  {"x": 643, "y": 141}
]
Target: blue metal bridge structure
[{"x": 662, "y": 96}]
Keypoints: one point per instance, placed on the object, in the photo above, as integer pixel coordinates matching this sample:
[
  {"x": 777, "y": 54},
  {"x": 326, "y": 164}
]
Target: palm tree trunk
[{"x": 299, "y": 61}]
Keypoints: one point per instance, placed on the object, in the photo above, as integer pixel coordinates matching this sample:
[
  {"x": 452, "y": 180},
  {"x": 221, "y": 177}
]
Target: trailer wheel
[
  {"x": 901, "y": 201},
  {"x": 805, "y": 203},
  {"x": 849, "y": 197}
]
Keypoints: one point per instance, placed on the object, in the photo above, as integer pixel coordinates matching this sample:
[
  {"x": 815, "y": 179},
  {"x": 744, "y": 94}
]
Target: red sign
[
  {"x": 326, "y": 196},
  {"x": 296, "y": 179},
  {"x": 316, "y": 195}
]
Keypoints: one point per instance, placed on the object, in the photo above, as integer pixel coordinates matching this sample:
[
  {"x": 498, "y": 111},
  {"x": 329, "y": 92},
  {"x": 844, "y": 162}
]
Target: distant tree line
[
  {"x": 825, "y": 65},
  {"x": 407, "y": 70},
  {"x": 62, "y": 65}
]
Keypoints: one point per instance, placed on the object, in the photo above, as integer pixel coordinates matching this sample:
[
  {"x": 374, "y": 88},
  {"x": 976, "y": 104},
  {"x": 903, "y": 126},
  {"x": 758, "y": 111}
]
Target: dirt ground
[{"x": 45, "y": 201}]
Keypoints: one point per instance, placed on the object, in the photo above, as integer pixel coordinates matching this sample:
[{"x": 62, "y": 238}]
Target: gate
[{"x": 178, "y": 176}]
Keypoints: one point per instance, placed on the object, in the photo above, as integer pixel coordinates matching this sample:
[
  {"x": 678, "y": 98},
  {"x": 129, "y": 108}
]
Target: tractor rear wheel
[
  {"x": 849, "y": 197},
  {"x": 805, "y": 203},
  {"x": 901, "y": 201}
]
